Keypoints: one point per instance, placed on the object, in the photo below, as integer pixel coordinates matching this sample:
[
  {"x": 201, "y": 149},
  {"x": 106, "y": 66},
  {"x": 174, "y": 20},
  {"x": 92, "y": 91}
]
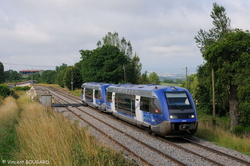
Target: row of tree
[
  {"x": 113, "y": 61},
  {"x": 227, "y": 55}
]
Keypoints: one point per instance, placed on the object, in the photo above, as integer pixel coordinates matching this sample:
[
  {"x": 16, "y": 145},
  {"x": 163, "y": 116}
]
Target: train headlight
[
  {"x": 173, "y": 117},
  {"x": 191, "y": 116}
]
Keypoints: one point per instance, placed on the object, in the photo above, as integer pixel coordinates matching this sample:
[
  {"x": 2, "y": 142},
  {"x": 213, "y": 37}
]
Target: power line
[{"x": 26, "y": 65}]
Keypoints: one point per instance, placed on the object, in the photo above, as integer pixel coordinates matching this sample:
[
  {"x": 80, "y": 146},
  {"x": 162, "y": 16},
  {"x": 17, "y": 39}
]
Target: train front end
[{"x": 179, "y": 112}]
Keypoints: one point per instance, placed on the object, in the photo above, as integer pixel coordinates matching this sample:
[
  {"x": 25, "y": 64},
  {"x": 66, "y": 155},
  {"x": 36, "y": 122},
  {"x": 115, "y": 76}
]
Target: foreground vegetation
[
  {"x": 238, "y": 139},
  {"x": 8, "y": 119},
  {"x": 33, "y": 133}
]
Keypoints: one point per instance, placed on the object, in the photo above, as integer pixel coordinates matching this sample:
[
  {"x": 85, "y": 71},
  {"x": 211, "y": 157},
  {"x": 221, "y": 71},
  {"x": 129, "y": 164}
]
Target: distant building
[{"x": 29, "y": 72}]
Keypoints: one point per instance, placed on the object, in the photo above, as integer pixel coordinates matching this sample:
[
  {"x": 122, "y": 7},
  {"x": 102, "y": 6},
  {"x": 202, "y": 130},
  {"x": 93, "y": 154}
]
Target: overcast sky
[{"x": 44, "y": 34}]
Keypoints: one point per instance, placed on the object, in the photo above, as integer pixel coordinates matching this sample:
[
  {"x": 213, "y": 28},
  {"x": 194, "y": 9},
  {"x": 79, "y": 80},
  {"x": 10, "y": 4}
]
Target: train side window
[
  {"x": 109, "y": 97},
  {"x": 125, "y": 103},
  {"x": 98, "y": 94},
  {"x": 150, "y": 105},
  {"x": 89, "y": 94},
  {"x": 144, "y": 104},
  {"x": 155, "y": 106}
]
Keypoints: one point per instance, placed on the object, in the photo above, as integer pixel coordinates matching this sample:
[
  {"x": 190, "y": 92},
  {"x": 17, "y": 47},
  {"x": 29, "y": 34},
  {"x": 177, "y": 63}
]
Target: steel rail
[{"x": 218, "y": 152}]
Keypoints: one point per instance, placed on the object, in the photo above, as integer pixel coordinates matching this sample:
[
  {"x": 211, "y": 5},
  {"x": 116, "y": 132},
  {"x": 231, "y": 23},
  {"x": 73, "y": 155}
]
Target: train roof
[
  {"x": 94, "y": 85},
  {"x": 143, "y": 90},
  {"x": 148, "y": 87}
]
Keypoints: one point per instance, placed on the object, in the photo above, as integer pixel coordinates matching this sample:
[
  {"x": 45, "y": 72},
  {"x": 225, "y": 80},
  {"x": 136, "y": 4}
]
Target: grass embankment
[
  {"x": 77, "y": 92},
  {"x": 44, "y": 136},
  {"x": 220, "y": 134},
  {"x": 8, "y": 119}
]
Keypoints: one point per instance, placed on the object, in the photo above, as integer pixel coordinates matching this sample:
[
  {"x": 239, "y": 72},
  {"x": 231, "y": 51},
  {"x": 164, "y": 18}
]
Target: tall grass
[
  {"x": 46, "y": 135},
  {"x": 77, "y": 92},
  {"x": 8, "y": 111},
  {"x": 8, "y": 115},
  {"x": 220, "y": 136}
]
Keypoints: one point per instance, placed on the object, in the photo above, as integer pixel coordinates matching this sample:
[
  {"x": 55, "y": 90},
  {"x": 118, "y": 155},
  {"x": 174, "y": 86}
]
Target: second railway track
[{"x": 151, "y": 150}]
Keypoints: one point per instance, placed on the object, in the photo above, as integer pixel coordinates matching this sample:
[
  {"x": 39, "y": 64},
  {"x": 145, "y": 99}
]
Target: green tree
[
  {"x": 114, "y": 40},
  {"x": 2, "y": 79},
  {"x": 153, "y": 78},
  {"x": 204, "y": 94},
  {"x": 144, "y": 78},
  {"x": 226, "y": 55},
  {"x": 243, "y": 79},
  {"x": 133, "y": 68},
  {"x": 221, "y": 26},
  {"x": 193, "y": 84},
  {"x": 170, "y": 81},
  {"x": 104, "y": 64},
  {"x": 60, "y": 70},
  {"x": 72, "y": 75},
  {"x": 12, "y": 76},
  {"x": 48, "y": 76},
  {"x": 205, "y": 39},
  {"x": 60, "y": 77},
  {"x": 4, "y": 90},
  {"x": 36, "y": 76}
]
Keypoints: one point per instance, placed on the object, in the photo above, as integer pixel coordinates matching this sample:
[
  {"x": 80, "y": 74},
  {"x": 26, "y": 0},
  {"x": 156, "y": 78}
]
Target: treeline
[
  {"x": 172, "y": 81},
  {"x": 226, "y": 52}
]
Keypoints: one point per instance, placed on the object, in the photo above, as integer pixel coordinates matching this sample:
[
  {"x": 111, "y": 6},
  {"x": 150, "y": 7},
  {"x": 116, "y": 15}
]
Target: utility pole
[
  {"x": 213, "y": 94},
  {"x": 186, "y": 77},
  {"x": 71, "y": 79},
  {"x": 32, "y": 77}
]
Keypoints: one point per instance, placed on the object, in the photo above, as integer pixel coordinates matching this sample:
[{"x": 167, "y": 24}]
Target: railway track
[
  {"x": 167, "y": 155},
  {"x": 217, "y": 152},
  {"x": 140, "y": 144}
]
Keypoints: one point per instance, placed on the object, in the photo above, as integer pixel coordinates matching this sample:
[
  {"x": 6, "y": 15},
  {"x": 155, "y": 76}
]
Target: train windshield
[{"x": 178, "y": 100}]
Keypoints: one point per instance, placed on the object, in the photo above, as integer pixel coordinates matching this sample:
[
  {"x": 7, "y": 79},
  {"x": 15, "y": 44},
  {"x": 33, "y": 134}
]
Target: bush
[
  {"x": 24, "y": 88},
  {"x": 239, "y": 129},
  {"x": 244, "y": 114},
  {"x": 4, "y": 90}
]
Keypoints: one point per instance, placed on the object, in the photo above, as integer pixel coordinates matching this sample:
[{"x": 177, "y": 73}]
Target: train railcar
[
  {"x": 165, "y": 110},
  {"x": 94, "y": 95}
]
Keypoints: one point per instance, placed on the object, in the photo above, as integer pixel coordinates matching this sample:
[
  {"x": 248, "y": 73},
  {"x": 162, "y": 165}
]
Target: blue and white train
[{"x": 164, "y": 110}]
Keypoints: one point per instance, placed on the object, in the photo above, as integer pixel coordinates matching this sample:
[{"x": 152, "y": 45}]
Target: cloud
[{"x": 161, "y": 32}]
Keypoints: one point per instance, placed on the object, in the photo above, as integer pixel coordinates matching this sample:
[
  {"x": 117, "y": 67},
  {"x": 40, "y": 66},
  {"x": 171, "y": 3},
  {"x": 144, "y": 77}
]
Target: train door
[
  {"x": 98, "y": 97},
  {"x": 83, "y": 94},
  {"x": 113, "y": 102},
  {"x": 94, "y": 94},
  {"x": 138, "y": 112}
]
